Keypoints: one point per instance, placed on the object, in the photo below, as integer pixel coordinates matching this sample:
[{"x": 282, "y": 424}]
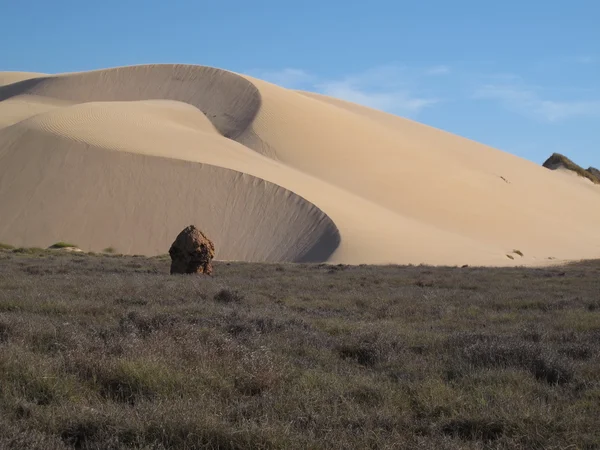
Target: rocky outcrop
[
  {"x": 594, "y": 172},
  {"x": 192, "y": 252},
  {"x": 558, "y": 161}
]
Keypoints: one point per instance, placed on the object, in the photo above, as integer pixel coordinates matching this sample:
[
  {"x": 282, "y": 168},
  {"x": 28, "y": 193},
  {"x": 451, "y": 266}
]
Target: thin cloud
[
  {"x": 290, "y": 78},
  {"x": 527, "y": 101},
  {"x": 585, "y": 59},
  {"x": 385, "y": 87},
  {"x": 396, "y": 101},
  {"x": 438, "y": 70}
]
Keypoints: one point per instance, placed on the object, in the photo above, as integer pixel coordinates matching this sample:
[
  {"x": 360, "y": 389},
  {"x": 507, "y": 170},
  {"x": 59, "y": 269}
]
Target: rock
[
  {"x": 558, "y": 161},
  {"x": 192, "y": 252},
  {"x": 594, "y": 172}
]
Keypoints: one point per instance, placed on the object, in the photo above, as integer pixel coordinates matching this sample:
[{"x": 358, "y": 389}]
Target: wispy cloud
[
  {"x": 289, "y": 77},
  {"x": 527, "y": 101},
  {"x": 381, "y": 88},
  {"x": 408, "y": 91},
  {"x": 585, "y": 59},
  {"x": 388, "y": 88},
  {"x": 438, "y": 70}
]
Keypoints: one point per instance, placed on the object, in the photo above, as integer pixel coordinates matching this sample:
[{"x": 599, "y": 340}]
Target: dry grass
[
  {"x": 594, "y": 172},
  {"x": 110, "y": 352},
  {"x": 556, "y": 159}
]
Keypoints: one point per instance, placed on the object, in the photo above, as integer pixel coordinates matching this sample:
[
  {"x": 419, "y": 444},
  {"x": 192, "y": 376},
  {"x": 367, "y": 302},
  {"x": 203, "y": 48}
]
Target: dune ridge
[
  {"x": 235, "y": 209},
  {"x": 126, "y": 157}
]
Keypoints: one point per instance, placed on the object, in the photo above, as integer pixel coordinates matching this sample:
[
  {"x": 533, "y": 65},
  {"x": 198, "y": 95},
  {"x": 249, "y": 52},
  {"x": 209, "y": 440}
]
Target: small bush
[
  {"x": 85, "y": 432},
  {"x": 544, "y": 364},
  {"x": 132, "y": 381},
  {"x": 5, "y": 246},
  {"x": 473, "y": 429},
  {"x": 62, "y": 244},
  {"x": 110, "y": 250},
  {"x": 365, "y": 354},
  {"x": 36, "y": 385},
  {"x": 144, "y": 324},
  {"x": 5, "y": 331},
  {"x": 228, "y": 296},
  {"x": 254, "y": 384},
  {"x": 366, "y": 395},
  {"x": 560, "y": 160}
]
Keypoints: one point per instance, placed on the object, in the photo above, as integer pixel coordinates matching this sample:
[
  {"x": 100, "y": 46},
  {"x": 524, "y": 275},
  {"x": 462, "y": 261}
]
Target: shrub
[
  {"x": 364, "y": 353},
  {"x": 62, "y": 244},
  {"x": 560, "y": 160},
  {"x": 544, "y": 364},
  {"x": 473, "y": 429},
  {"x": 228, "y": 296}
]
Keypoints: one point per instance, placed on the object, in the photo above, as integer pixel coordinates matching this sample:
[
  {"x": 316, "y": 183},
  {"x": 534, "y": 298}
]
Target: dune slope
[
  {"x": 135, "y": 203},
  {"x": 127, "y": 157}
]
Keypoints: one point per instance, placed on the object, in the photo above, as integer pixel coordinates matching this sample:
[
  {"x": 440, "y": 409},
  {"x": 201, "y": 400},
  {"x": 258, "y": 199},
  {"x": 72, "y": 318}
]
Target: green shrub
[
  {"x": 558, "y": 159},
  {"x": 62, "y": 244}
]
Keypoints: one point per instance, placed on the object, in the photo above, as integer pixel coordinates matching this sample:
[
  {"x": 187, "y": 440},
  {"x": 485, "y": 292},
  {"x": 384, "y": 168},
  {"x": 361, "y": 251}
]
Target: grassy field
[{"x": 110, "y": 352}]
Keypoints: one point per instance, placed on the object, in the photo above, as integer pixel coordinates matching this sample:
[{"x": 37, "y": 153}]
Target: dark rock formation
[
  {"x": 594, "y": 172},
  {"x": 558, "y": 161},
  {"x": 192, "y": 252}
]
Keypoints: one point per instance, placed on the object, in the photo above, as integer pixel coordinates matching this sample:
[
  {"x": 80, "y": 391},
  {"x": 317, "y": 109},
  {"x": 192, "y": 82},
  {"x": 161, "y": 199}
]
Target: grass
[
  {"x": 5, "y": 246},
  {"x": 106, "y": 352},
  {"x": 62, "y": 244},
  {"x": 556, "y": 159},
  {"x": 594, "y": 172},
  {"x": 228, "y": 296}
]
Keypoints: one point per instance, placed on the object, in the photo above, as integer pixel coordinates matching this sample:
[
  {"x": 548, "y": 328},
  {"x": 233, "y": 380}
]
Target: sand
[{"x": 127, "y": 157}]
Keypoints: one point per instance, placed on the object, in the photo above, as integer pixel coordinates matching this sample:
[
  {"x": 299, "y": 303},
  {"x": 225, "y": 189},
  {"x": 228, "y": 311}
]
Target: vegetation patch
[
  {"x": 228, "y": 296},
  {"x": 474, "y": 429},
  {"x": 62, "y": 244},
  {"x": 113, "y": 352},
  {"x": 494, "y": 352},
  {"x": 558, "y": 160}
]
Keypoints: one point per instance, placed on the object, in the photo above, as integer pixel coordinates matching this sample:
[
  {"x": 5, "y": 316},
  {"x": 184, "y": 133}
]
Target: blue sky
[{"x": 522, "y": 76}]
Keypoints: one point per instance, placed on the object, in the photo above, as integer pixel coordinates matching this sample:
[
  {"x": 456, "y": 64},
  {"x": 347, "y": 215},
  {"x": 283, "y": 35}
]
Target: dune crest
[{"x": 126, "y": 157}]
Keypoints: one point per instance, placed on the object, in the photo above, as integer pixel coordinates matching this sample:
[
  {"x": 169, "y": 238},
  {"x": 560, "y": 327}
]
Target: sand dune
[
  {"x": 13, "y": 77},
  {"x": 127, "y": 157}
]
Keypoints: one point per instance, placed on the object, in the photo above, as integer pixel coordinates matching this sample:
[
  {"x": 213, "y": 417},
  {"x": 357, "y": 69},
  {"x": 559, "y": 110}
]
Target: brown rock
[
  {"x": 594, "y": 172},
  {"x": 192, "y": 252}
]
